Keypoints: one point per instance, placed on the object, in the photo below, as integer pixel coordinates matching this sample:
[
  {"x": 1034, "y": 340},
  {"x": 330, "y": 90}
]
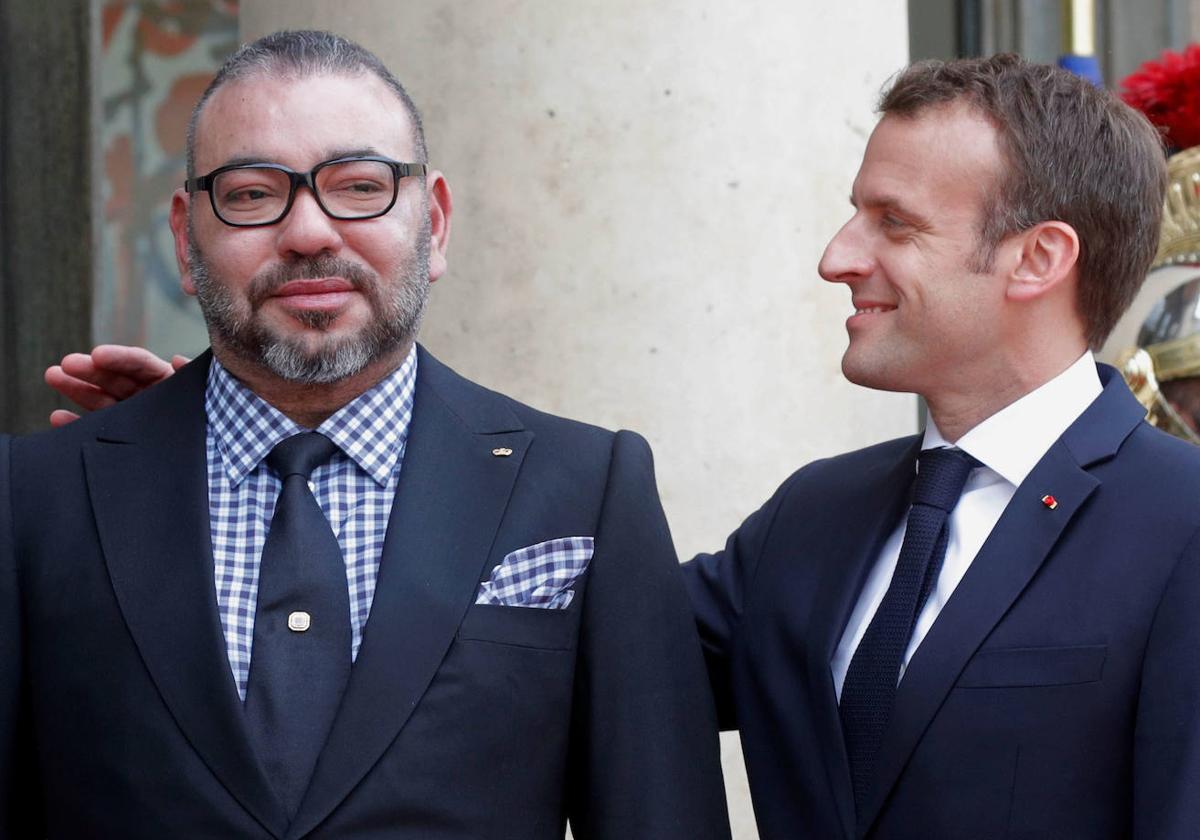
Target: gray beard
[{"x": 396, "y": 311}]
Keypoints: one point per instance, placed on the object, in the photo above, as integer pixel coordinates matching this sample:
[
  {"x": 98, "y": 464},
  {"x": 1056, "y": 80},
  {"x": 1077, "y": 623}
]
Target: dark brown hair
[{"x": 1074, "y": 153}]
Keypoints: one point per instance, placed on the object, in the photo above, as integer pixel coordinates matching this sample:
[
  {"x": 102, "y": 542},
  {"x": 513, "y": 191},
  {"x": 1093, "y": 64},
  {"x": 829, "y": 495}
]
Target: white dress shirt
[{"x": 1008, "y": 444}]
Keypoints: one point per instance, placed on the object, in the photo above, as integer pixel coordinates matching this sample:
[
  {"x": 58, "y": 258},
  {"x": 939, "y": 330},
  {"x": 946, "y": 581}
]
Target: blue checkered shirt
[{"x": 355, "y": 489}]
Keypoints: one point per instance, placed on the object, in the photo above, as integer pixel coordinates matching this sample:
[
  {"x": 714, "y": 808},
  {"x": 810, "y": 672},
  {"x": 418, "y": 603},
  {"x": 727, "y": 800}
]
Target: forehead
[
  {"x": 940, "y": 158},
  {"x": 300, "y": 122}
]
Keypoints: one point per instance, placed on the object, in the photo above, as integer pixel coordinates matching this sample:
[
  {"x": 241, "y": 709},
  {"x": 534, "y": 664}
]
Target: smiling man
[
  {"x": 991, "y": 629},
  {"x": 317, "y": 584}
]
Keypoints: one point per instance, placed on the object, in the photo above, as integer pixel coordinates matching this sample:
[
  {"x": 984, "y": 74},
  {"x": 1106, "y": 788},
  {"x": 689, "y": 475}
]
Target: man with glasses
[{"x": 317, "y": 584}]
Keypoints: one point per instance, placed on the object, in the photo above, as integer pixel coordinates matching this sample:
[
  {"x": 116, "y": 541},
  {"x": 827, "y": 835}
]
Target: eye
[
  {"x": 249, "y": 186},
  {"x": 363, "y": 187},
  {"x": 356, "y": 180},
  {"x": 245, "y": 196}
]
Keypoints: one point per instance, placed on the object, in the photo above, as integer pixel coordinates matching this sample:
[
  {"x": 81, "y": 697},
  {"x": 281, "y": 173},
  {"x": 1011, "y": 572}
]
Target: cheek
[
  {"x": 965, "y": 312},
  {"x": 382, "y": 248},
  {"x": 241, "y": 255}
]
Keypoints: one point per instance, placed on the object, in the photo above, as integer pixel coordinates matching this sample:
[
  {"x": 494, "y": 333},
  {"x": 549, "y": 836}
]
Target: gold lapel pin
[
  {"x": 502, "y": 452},
  {"x": 1049, "y": 501}
]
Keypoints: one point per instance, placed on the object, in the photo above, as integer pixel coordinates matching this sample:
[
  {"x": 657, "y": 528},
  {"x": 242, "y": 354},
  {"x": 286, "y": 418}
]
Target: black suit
[
  {"x": 1056, "y": 696},
  {"x": 118, "y": 711}
]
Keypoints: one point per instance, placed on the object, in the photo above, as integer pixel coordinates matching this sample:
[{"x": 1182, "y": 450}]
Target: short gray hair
[{"x": 296, "y": 54}]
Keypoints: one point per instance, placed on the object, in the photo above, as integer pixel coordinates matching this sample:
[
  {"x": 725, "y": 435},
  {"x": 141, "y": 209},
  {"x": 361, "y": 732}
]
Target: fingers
[
  {"x": 123, "y": 365},
  {"x": 112, "y": 370},
  {"x": 110, "y": 373},
  {"x": 61, "y": 417},
  {"x": 78, "y": 390},
  {"x": 178, "y": 361}
]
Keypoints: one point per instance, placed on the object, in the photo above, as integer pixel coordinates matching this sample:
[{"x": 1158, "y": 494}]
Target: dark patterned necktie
[
  {"x": 869, "y": 690},
  {"x": 300, "y": 661}
]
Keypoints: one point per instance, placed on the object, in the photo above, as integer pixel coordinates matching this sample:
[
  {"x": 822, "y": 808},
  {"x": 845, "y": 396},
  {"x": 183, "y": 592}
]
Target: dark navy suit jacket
[
  {"x": 118, "y": 712},
  {"x": 1057, "y": 695}
]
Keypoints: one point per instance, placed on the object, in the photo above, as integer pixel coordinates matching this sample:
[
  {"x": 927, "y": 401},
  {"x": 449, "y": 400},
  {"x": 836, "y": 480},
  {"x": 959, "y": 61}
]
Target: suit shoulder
[
  {"x": 885, "y": 452},
  {"x": 837, "y": 468},
  {"x": 55, "y": 443},
  {"x": 174, "y": 402},
  {"x": 1154, "y": 478},
  {"x": 1171, "y": 463},
  {"x": 480, "y": 406},
  {"x": 581, "y": 448},
  {"x": 564, "y": 429}
]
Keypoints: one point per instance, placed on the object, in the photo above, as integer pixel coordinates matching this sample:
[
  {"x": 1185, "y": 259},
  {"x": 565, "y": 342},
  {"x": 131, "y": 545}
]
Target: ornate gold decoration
[
  {"x": 1138, "y": 367},
  {"x": 1179, "y": 241}
]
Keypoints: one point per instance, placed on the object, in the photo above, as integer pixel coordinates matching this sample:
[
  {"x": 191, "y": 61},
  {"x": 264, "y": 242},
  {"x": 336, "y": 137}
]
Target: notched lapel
[
  {"x": 450, "y": 500},
  {"x": 1018, "y": 545},
  {"x": 147, "y": 477}
]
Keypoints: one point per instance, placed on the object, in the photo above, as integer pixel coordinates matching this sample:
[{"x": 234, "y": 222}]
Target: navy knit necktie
[
  {"x": 300, "y": 661},
  {"x": 869, "y": 690}
]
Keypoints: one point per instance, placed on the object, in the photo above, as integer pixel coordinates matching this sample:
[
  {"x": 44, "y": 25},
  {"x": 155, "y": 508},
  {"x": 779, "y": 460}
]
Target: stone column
[
  {"x": 46, "y": 195},
  {"x": 642, "y": 193}
]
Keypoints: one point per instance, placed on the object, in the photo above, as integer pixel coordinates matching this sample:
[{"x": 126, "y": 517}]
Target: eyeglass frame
[{"x": 296, "y": 179}]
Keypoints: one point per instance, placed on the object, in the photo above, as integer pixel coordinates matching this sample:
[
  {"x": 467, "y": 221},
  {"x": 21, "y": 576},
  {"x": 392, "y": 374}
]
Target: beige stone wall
[{"x": 642, "y": 193}]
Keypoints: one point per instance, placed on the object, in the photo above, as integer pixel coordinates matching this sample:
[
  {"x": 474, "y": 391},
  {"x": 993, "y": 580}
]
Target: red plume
[{"x": 1167, "y": 91}]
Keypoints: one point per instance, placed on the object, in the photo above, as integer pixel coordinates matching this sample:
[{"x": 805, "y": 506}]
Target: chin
[{"x": 879, "y": 377}]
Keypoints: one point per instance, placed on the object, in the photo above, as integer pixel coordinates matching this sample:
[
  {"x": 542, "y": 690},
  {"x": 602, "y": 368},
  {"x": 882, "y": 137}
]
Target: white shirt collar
[{"x": 1014, "y": 439}]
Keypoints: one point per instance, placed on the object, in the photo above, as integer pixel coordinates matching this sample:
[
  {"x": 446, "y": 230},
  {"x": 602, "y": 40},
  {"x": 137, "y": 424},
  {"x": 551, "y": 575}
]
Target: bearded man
[{"x": 317, "y": 584}]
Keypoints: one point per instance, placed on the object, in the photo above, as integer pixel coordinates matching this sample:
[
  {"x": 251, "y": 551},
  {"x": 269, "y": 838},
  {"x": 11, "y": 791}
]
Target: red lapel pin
[{"x": 1049, "y": 501}]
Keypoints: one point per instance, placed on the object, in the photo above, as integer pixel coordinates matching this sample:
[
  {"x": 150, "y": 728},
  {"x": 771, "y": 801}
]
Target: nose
[
  {"x": 846, "y": 257},
  {"x": 306, "y": 230}
]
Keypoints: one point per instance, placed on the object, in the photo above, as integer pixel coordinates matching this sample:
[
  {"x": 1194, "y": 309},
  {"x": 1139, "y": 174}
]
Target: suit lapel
[
  {"x": 845, "y": 571},
  {"x": 449, "y": 503},
  {"x": 1019, "y": 544},
  {"x": 147, "y": 477}
]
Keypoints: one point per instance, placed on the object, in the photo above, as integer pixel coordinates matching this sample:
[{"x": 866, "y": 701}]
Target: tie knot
[
  {"x": 941, "y": 475},
  {"x": 300, "y": 454}
]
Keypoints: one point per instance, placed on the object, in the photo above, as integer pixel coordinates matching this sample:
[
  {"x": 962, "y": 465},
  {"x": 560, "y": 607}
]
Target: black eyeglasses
[{"x": 254, "y": 194}]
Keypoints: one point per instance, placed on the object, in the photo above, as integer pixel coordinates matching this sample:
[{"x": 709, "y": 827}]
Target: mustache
[{"x": 269, "y": 280}]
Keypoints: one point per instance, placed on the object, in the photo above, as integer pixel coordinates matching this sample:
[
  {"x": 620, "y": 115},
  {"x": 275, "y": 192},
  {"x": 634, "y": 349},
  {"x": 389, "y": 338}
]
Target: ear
[
  {"x": 179, "y": 229},
  {"x": 441, "y": 205},
  {"x": 1046, "y": 258}
]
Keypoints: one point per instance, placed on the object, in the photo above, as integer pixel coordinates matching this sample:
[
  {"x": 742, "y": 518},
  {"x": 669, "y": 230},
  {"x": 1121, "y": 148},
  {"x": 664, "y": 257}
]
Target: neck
[
  {"x": 958, "y": 410},
  {"x": 307, "y": 404}
]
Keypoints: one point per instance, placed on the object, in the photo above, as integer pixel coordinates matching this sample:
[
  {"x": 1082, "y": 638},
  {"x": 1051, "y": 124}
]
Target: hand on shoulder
[{"x": 107, "y": 375}]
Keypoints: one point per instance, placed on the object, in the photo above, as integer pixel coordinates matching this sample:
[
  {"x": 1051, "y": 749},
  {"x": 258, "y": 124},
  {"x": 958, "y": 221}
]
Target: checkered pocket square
[{"x": 538, "y": 575}]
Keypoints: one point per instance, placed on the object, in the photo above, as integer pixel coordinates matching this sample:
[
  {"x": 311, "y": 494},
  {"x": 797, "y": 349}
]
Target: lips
[
  {"x": 870, "y": 306},
  {"x": 865, "y": 310},
  {"x": 324, "y": 285},
  {"x": 323, "y": 293}
]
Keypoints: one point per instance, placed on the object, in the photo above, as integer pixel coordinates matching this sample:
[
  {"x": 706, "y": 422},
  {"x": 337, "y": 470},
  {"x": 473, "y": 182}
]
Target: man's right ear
[{"x": 179, "y": 229}]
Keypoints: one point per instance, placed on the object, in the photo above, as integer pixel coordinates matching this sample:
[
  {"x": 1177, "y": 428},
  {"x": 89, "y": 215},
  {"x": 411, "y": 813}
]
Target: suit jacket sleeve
[
  {"x": 645, "y": 755},
  {"x": 1167, "y": 737},
  {"x": 19, "y": 802},
  {"x": 717, "y": 585}
]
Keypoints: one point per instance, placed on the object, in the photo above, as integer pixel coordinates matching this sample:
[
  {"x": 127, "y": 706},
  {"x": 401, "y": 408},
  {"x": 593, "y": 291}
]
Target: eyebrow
[
  {"x": 331, "y": 154},
  {"x": 244, "y": 160},
  {"x": 362, "y": 151}
]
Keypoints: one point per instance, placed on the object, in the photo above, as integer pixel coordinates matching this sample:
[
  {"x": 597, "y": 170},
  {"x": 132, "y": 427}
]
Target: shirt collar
[
  {"x": 1014, "y": 439},
  {"x": 371, "y": 429}
]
